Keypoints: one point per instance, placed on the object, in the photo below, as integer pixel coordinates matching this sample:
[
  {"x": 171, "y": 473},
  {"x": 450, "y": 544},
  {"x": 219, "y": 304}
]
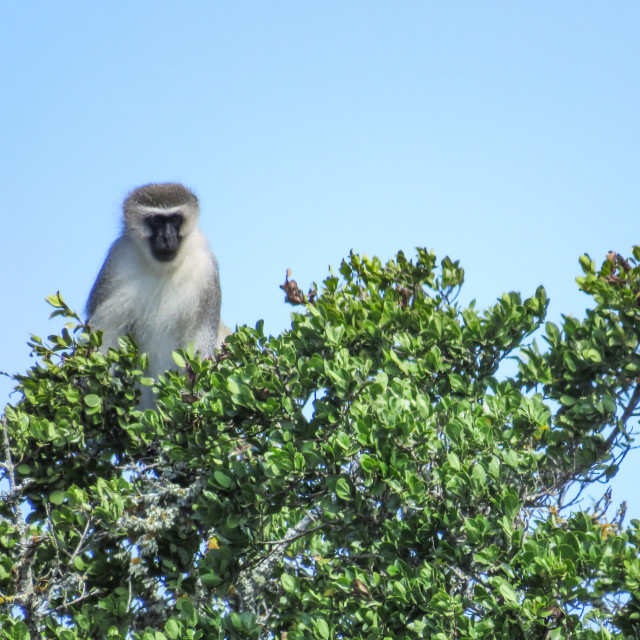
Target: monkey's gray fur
[{"x": 160, "y": 280}]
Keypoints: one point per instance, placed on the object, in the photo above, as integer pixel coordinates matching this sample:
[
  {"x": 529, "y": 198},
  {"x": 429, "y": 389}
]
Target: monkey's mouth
[{"x": 163, "y": 254}]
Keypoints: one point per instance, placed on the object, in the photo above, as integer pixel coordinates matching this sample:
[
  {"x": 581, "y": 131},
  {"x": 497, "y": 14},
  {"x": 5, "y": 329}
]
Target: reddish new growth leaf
[
  {"x": 223, "y": 353},
  {"x": 405, "y": 296},
  {"x": 623, "y": 263},
  {"x": 189, "y": 398},
  {"x": 360, "y": 589},
  {"x": 190, "y": 374},
  {"x": 293, "y": 294},
  {"x": 312, "y": 295},
  {"x": 616, "y": 261}
]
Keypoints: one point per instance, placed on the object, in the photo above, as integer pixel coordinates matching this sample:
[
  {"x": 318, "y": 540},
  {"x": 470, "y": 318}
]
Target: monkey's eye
[
  {"x": 159, "y": 221},
  {"x": 175, "y": 219},
  {"x": 156, "y": 221}
]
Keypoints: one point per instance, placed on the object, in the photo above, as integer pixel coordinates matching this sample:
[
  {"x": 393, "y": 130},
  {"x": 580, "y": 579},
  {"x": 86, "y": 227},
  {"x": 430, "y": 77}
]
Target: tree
[{"x": 370, "y": 473}]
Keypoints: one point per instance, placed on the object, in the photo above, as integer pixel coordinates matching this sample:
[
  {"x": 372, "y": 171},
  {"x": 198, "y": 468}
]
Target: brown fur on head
[{"x": 164, "y": 195}]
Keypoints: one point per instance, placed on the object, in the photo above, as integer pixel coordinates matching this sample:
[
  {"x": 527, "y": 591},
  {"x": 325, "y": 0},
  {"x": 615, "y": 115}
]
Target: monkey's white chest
[{"x": 162, "y": 312}]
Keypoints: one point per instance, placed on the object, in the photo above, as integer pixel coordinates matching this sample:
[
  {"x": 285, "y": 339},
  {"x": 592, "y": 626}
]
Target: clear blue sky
[{"x": 504, "y": 134}]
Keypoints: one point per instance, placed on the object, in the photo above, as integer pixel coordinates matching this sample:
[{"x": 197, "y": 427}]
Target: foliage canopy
[{"x": 367, "y": 474}]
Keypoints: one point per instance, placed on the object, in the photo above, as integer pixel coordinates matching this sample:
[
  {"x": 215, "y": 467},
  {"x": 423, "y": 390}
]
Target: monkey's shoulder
[
  {"x": 118, "y": 285},
  {"x": 105, "y": 283}
]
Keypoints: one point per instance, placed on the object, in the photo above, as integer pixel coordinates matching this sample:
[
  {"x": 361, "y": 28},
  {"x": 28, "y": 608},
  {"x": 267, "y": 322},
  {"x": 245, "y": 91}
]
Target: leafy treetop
[{"x": 367, "y": 474}]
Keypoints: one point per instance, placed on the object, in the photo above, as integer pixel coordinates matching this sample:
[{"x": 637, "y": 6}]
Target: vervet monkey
[{"x": 159, "y": 281}]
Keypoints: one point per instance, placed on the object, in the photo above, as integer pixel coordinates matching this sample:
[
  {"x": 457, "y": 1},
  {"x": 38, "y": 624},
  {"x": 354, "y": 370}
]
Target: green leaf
[
  {"x": 55, "y": 300},
  {"x": 588, "y": 265},
  {"x": 173, "y": 628},
  {"x": 592, "y": 354},
  {"x": 507, "y": 592},
  {"x": 453, "y": 431},
  {"x": 608, "y": 404},
  {"x": 57, "y": 497},
  {"x": 179, "y": 360},
  {"x": 188, "y": 611},
  {"x": 454, "y": 461},
  {"x": 343, "y": 440},
  {"x": 92, "y": 400},
  {"x": 479, "y": 474},
  {"x": 288, "y": 583},
  {"x": 457, "y": 383},
  {"x": 210, "y": 579},
  {"x": 369, "y": 463},
  {"x": 19, "y": 631},
  {"x": 343, "y": 488},
  {"x": 334, "y": 333},
  {"x": 223, "y": 479},
  {"x": 322, "y": 628}
]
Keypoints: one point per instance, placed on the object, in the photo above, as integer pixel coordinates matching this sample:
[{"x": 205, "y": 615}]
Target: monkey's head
[{"x": 159, "y": 217}]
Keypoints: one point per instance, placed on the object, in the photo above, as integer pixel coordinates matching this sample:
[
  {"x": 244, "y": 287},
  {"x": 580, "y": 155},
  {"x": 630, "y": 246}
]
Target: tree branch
[{"x": 252, "y": 583}]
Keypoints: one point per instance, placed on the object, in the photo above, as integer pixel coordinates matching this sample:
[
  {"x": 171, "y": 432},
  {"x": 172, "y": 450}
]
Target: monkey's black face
[{"x": 164, "y": 240}]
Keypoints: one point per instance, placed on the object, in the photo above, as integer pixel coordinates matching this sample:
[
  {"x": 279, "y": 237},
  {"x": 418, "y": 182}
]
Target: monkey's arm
[
  {"x": 223, "y": 333},
  {"x": 206, "y": 333},
  {"x": 108, "y": 309}
]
